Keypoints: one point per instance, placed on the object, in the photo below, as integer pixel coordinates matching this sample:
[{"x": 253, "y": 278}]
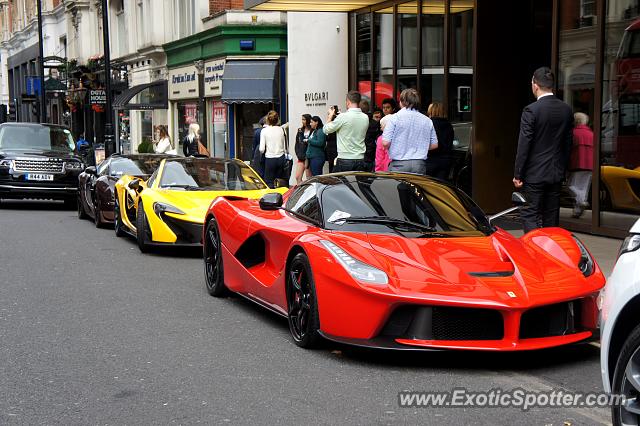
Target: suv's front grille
[{"x": 40, "y": 166}]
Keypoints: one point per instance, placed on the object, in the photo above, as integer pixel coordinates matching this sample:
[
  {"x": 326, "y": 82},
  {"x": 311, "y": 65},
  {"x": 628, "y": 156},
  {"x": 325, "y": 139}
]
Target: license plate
[{"x": 39, "y": 176}]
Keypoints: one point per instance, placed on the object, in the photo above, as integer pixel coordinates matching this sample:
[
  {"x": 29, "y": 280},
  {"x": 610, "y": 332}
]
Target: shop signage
[
  {"x": 183, "y": 83},
  {"x": 98, "y": 97},
  {"x": 219, "y": 113},
  {"x": 213, "y": 73},
  {"x": 316, "y": 99}
]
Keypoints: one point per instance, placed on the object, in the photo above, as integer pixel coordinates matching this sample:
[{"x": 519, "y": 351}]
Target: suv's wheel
[
  {"x": 212, "y": 254},
  {"x": 142, "y": 229},
  {"x": 70, "y": 203},
  {"x": 118, "y": 226},
  {"x": 626, "y": 381},
  {"x": 302, "y": 305}
]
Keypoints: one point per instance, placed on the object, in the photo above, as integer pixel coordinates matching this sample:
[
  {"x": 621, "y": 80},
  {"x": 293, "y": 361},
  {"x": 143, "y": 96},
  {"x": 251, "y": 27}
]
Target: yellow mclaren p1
[{"x": 169, "y": 208}]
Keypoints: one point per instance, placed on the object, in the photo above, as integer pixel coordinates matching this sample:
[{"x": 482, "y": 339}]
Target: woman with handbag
[
  {"x": 273, "y": 145},
  {"x": 302, "y": 138},
  {"x": 192, "y": 146},
  {"x": 317, "y": 143}
]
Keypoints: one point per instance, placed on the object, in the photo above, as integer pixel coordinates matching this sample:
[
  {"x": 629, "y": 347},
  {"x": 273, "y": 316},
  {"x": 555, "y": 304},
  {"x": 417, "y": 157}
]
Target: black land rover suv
[{"x": 38, "y": 161}]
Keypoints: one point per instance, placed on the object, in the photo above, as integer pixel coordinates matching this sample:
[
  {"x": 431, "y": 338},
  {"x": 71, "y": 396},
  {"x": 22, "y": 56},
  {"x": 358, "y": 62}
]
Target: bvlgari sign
[
  {"x": 316, "y": 99},
  {"x": 183, "y": 83}
]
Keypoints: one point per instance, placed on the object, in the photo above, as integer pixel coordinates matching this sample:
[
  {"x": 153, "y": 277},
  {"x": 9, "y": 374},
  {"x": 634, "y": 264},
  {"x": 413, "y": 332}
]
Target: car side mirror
[
  {"x": 271, "y": 201},
  {"x": 91, "y": 170},
  {"x": 134, "y": 184},
  {"x": 518, "y": 200}
]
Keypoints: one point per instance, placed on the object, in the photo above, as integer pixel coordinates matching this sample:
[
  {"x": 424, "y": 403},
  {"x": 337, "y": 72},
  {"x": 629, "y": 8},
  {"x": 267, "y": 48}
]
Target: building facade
[
  {"x": 227, "y": 77},
  {"x": 477, "y": 57}
]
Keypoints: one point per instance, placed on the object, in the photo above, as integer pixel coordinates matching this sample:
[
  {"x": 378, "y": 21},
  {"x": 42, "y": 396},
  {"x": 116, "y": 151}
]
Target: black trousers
[
  {"x": 343, "y": 165},
  {"x": 543, "y": 208},
  {"x": 273, "y": 168}
]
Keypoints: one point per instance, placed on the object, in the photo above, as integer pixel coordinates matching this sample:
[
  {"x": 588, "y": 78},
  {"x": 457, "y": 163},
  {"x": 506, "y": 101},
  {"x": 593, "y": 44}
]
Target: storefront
[
  {"x": 139, "y": 111},
  {"x": 477, "y": 58},
  {"x": 242, "y": 78}
]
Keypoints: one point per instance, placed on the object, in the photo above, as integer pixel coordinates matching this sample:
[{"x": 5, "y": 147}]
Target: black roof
[
  {"x": 354, "y": 177},
  {"x": 25, "y": 124}
]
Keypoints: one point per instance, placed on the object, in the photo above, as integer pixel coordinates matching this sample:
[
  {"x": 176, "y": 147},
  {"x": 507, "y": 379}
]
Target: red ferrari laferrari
[{"x": 400, "y": 261}]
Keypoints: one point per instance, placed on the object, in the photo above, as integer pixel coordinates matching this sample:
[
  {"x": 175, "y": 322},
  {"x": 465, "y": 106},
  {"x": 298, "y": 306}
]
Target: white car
[{"x": 620, "y": 345}]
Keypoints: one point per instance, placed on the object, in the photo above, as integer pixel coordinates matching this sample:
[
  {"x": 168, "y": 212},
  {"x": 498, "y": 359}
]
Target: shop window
[
  {"x": 187, "y": 113},
  {"x": 576, "y": 86},
  {"x": 383, "y": 70},
  {"x": 363, "y": 50},
  {"x": 407, "y": 48},
  {"x": 461, "y": 36},
  {"x": 620, "y": 129}
]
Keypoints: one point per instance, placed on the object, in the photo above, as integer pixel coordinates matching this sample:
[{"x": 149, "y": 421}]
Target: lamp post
[
  {"x": 109, "y": 139},
  {"x": 199, "y": 64},
  {"x": 43, "y": 96}
]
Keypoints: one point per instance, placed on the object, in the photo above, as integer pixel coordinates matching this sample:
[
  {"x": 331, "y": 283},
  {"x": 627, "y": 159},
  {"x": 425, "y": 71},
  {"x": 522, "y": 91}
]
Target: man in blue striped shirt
[{"x": 409, "y": 136}]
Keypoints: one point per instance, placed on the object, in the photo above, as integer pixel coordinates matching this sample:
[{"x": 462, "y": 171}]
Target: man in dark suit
[{"x": 544, "y": 148}]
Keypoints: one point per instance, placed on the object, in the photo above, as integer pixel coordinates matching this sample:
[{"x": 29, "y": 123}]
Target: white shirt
[
  {"x": 545, "y": 94},
  {"x": 163, "y": 146},
  {"x": 272, "y": 142}
]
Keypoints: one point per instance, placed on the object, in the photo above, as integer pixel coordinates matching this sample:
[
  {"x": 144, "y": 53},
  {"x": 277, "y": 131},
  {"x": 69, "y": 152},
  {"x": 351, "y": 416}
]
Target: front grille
[
  {"x": 444, "y": 323},
  {"x": 551, "y": 320},
  {"x": 39, "y": 166}
]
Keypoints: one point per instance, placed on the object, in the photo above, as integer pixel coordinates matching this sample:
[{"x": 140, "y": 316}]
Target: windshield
[
  {"x": 427, "y": 206},
  {"x": 134, "y": 167},
  {"x": 37, "y": 138},
  {"x": 210, "y": 175}
]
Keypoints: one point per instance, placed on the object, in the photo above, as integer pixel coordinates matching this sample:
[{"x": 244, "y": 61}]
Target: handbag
[
  {"x": 202, "y": 150},
  {"x": 287, "y": 167}
]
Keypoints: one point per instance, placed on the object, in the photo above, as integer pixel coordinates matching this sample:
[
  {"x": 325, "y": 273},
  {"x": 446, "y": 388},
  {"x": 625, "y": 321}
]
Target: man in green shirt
[{"x": 351, "y": 129}]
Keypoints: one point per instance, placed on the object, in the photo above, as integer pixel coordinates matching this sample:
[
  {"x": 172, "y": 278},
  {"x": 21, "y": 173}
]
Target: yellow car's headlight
[{"x": 166, "y": 208}]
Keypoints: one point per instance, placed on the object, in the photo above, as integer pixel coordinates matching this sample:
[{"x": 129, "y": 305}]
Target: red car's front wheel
[
  {"x": 211, "y": 250},
  {"x": 304, "y": 322}
]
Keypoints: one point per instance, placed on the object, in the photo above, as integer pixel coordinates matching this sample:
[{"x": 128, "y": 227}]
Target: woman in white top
[
  {"x": 272, "y": 144},
  {"x": 164, "y": 145}
]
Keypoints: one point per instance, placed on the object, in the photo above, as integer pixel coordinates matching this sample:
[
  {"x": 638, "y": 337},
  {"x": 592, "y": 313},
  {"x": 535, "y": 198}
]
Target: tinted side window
[
  {"x": 102, "y": 167},
  {"x": 305, "y": 201}
]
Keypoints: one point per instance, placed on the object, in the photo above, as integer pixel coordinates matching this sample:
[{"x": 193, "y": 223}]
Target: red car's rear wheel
[
  {"x": 211, "y": 250},
  {"x": 304, "y": 322}
]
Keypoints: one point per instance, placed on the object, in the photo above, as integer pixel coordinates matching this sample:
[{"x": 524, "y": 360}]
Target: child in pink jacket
[{"x": 382, "y": 154}]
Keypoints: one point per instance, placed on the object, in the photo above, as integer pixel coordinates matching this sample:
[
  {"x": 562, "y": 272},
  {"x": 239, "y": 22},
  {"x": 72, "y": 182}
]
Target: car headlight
[
  {"x": 586, "y": 264},
  {"x": 358, "y": 270},
  {"x": 166, "y": 208},
  {"x": 73, "y": 165},
  {"x": 6, "y": 163},
  {"x": 631, "y": 243}
]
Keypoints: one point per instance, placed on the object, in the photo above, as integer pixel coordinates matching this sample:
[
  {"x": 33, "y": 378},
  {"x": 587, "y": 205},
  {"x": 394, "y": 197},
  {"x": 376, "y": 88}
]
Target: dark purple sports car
[{"x": 95, "y": 186}]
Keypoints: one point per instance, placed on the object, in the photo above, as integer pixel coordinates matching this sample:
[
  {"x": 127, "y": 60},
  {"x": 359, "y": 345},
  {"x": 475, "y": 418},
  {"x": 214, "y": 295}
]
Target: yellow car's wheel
[
  {"x": 119, "y": 226},
  {"x": 142, "y": 229}
]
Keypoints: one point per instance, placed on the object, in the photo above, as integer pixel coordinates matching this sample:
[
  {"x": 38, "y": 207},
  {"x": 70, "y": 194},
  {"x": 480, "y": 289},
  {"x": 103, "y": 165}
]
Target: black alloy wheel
[
  {"x": 302, "y": 312},
  {"x": 118, "y": 226},
  {"x": 142, "y": 229},
  {"x": 82, "y": 214},
  {"x": 71, "y": 203},
  {"x": 626, "y": 381},
  {"x": 212, "y": 254}
]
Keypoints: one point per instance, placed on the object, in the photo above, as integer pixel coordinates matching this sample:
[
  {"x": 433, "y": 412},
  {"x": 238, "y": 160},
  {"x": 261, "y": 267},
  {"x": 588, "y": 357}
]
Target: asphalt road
[{"x": 94, "y": 332}]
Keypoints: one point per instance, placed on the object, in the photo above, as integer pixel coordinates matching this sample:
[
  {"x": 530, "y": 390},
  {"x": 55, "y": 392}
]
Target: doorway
[{"x": 506, "y": 55}]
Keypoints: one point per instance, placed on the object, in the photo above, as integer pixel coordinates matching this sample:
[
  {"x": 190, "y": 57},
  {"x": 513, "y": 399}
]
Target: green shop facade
[{"x": 225, "y": 79}]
